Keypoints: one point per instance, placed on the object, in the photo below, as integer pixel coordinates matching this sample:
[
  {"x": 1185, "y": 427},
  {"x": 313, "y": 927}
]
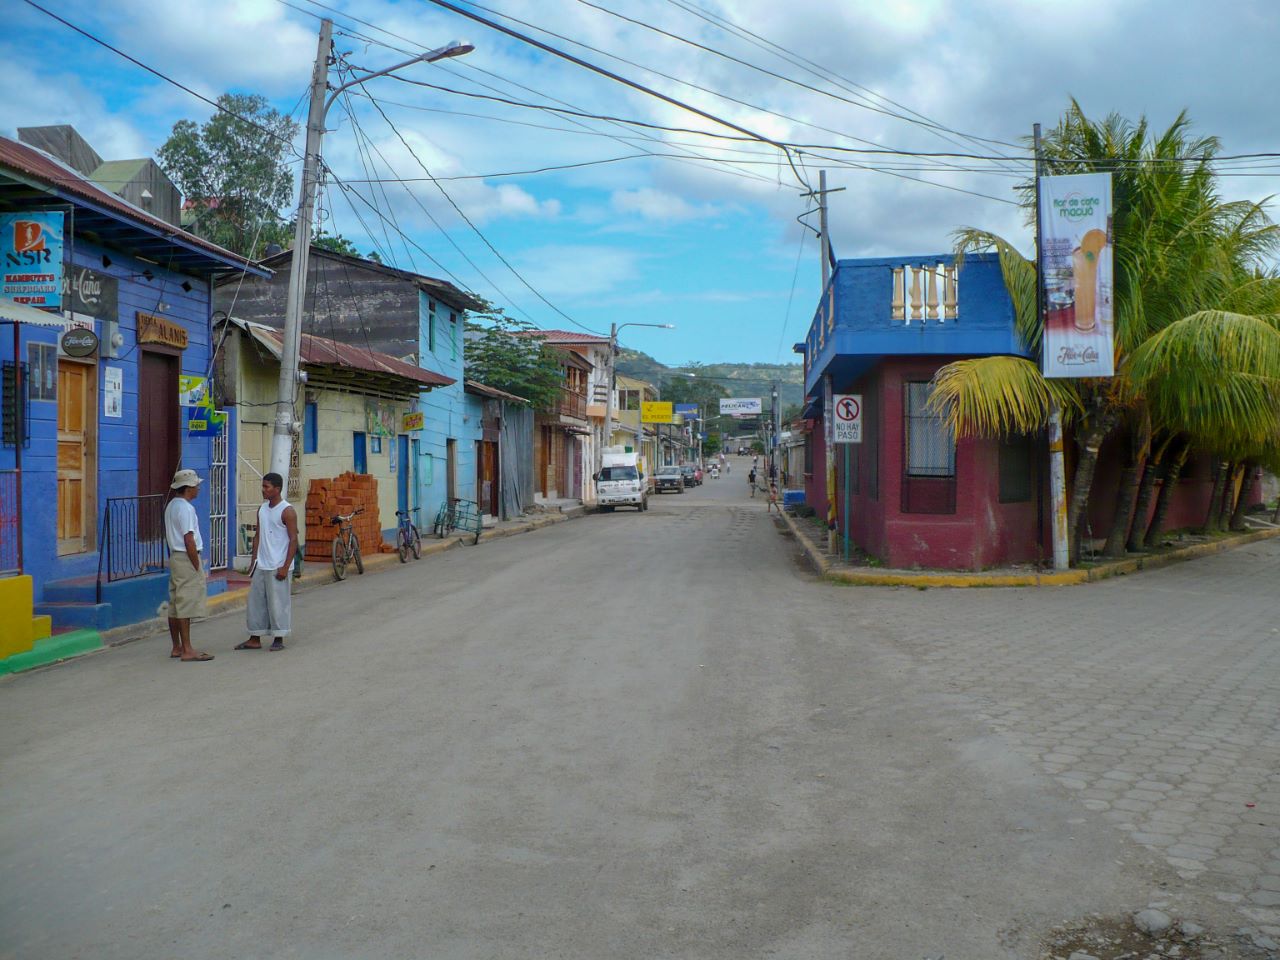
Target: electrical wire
[
  {"x": 470, "y": 223},
  {"x": 617, "y": 78},
  {"x": 165, "y": 77}
]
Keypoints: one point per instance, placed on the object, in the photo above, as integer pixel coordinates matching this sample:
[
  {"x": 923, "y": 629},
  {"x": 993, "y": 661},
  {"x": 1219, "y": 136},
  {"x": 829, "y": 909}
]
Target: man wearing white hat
[{"x": 188, "y": 591}]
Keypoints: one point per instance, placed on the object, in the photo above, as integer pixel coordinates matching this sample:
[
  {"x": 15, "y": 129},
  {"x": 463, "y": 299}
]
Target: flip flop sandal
[
  {"x": 246, "y": 646},
  {"x": 276, "y": 647},
  {"x": 203, "y": 658}
]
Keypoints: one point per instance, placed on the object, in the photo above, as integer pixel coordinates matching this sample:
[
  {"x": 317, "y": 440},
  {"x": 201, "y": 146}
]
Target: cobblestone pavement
[{"x": 1154, "y": 699}]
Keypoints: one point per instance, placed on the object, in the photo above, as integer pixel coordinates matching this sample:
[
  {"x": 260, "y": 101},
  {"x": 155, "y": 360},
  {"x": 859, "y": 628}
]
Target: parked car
[
  {"x": 692, "y": 475},
  {"x": 668, "y": 478}
]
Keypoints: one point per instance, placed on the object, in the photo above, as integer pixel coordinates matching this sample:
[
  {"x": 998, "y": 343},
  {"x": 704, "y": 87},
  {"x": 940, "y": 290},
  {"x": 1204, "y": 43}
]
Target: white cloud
[
  {"x": 659, "y": 205},
  {"x": 571, "y": 270}
]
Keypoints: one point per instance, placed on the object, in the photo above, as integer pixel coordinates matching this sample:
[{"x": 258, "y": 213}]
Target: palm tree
[{"x": 1180, "y": 252}]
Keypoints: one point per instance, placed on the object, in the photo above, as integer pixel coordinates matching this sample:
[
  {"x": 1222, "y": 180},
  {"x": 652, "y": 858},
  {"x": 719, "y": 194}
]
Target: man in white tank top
[{"x": 270, "y": 608}]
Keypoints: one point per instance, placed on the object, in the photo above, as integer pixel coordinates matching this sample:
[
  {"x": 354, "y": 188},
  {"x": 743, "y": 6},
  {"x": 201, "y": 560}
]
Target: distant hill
[{"x": 741, "y": 379}]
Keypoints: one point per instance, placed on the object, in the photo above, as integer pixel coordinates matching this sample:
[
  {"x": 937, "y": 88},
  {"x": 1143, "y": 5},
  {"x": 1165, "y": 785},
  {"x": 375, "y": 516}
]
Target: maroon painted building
[{"x": 910, "y": 494}]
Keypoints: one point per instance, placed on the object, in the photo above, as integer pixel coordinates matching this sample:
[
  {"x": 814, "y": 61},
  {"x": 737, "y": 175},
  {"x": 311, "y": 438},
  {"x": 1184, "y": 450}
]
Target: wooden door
[
  {"x": 489, "y": 485},
  {"x": 77, "y": 419},
  {"x": 159, "y": 439},
  {"x": 544, "y": 460}
]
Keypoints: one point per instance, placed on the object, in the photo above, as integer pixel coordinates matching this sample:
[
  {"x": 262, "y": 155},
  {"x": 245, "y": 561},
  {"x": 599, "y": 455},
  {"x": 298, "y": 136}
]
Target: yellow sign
[
  {"x": 655, "y": 411},
  {"x": 412, "y": 421}
]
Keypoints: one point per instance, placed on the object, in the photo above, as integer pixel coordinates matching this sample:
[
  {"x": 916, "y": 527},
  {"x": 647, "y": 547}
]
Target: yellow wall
[
  {"x": 16, "y": 622},
  {"x": 339, "y": 415}
]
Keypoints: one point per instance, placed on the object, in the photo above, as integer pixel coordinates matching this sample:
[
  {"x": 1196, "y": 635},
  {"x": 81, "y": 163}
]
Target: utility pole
[
  {"x": 282, "y": 438},
  {"x": 608, "y": 403},
  {"x": 1057, "y": 467},
  {"x": 290, "y": 375},
  {"x": 825, "y": 253}
]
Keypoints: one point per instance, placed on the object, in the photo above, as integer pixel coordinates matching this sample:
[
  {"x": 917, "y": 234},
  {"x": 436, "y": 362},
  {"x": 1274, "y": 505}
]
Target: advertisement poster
[
  {"x": 1076, "y": 247},
  {"x": 741, "y": 406},
  {"x": 381, "y": 418},
  {"x": 112, "y": 392},
  {"x": 193, "y": 391},
  {"x": 689, "y": 411},
  {"x": 31, "y": 258},
  {"x": 655, "y": 411}
]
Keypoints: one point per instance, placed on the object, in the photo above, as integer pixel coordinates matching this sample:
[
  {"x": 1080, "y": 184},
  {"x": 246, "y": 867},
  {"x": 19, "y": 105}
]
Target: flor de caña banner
[{"x": 1075, "y": 248}]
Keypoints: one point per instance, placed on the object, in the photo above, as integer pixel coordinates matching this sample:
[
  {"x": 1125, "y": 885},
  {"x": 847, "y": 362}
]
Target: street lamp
[
  {"x": 282, "y": 438},
  {"x": 608, "y": 403}
]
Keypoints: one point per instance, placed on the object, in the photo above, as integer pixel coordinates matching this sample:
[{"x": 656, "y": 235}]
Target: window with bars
[
  {"x": 929, "y": 455},
  {"x": 931, "y": 450}
]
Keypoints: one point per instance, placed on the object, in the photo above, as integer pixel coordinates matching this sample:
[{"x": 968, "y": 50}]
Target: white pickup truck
[{"x": 621, "y": 482}]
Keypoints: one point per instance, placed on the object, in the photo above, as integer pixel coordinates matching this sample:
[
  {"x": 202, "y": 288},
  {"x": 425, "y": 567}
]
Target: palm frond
[
  {"x": 1019, "y": 275},
  {"x": 998, "y": 396}
]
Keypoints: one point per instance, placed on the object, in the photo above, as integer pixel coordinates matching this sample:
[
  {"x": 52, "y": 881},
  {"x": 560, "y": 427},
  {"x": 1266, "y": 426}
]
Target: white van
[{"x": 621, "y": 482}]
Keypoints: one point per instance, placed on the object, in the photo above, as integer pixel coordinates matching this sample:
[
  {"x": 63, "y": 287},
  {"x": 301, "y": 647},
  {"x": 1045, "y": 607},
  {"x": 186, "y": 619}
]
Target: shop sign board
[{"x": 31, "y": 257}]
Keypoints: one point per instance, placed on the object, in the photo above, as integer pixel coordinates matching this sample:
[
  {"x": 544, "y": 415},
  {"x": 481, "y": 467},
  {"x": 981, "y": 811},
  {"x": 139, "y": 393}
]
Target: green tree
[
  {"x": 508, "y": 354},
  {"x": 234, "y": 173},
  {"x": 1181, "y": 254}
]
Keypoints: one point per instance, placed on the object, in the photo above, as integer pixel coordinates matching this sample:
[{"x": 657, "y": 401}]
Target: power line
[
  {"x": 165, "y": 77},
  {"x": 617, "y": 78},
  {"x": 822, "y": 73},
  {"x": 476, "y": 230},
  {"x": 674, "y": 79}
]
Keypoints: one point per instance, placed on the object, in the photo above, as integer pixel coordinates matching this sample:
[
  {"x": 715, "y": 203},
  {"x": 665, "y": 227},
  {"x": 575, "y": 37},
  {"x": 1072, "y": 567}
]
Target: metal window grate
[
  {"x": 928, "y": 454},
  {"x": 10, "y": 539},
  {"x": 931, "y": 449},
  {"x": 16, "y": 405}
]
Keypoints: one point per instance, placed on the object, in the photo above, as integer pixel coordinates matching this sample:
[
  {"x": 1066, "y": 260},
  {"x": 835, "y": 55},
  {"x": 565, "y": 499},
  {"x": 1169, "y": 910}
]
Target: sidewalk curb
[
  {"x": 1063, "y": 578},
  {"x": 232, "y": 600}
]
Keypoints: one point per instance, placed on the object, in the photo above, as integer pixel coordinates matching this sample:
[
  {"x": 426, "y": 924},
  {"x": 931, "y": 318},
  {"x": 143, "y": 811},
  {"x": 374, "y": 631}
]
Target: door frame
[{"x": 89, "y": 486}]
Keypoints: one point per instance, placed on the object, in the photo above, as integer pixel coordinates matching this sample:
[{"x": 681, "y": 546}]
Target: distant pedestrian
[
  {"x": 751, "y": 481},
  {"x": 774, "y": 502},
  {"x": 270, "y": 607},
  {"x": 188, "y": 589}
]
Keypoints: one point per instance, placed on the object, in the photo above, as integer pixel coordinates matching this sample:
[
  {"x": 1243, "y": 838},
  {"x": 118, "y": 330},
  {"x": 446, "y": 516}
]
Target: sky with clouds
[{"x": 664, "y": 227}]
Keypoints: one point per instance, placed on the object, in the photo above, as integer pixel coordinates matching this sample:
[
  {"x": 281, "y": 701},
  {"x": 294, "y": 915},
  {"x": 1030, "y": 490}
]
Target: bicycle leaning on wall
[{"x": 346, "y": 545}]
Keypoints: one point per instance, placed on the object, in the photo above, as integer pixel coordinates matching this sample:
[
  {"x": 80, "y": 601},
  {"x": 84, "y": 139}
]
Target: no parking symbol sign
[{"x": 848, "y": 418}]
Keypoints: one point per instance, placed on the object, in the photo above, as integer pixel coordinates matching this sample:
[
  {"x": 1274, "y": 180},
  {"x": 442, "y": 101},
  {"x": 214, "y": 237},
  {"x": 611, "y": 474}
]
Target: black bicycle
[
  {"x": 346, "y": 545},
  {"x": 408, "y": 540}
]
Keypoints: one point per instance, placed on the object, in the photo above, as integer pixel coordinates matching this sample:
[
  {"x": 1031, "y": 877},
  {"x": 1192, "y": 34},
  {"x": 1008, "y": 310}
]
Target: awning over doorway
[{"x": 11, "y": 312}]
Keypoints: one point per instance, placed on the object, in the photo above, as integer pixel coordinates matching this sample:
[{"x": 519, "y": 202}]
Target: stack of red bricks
[{"x": 341, "y": 495}]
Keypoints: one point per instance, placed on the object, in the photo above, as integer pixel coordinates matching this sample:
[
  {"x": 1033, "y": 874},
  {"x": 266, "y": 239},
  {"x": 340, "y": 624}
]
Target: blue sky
[{"x": 712, "y": 248}]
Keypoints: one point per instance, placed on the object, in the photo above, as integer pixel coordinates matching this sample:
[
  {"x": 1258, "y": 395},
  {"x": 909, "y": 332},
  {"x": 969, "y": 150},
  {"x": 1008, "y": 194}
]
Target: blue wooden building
[{"x": 94, "y": 418}]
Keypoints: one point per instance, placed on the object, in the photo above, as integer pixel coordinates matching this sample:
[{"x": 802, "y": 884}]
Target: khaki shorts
[{"x": 188, "y": 592}]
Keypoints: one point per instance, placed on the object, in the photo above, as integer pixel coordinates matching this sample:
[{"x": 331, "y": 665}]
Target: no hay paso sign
[{"x": 847, "y": 421}]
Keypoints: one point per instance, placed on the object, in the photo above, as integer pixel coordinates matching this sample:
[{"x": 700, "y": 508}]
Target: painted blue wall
[
  {"x": 861, "y": 294},
  {"x": 117, "y": 462},
  {"x": 449, "y": 412}
]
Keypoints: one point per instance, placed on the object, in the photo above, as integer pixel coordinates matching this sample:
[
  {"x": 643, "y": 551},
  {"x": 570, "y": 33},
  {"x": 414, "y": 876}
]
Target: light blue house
[{"x": 448, "y": 443}]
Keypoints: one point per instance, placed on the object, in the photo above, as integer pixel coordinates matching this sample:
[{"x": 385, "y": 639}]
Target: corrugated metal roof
[
  {"x": 475, "y": 386},
  {"x": 62, "y": 180},
  {"x": 566, "y": 336},
  {"x": 321, "y": 351}
]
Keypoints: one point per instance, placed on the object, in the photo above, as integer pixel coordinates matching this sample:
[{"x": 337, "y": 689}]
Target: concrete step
[
  {"x": 51, "y": 650},
  {"x": 78, "y": 616}
]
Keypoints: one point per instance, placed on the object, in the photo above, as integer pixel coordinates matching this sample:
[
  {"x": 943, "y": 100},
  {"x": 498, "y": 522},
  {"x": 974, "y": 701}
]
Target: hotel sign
[{"x": 153, "y": 329}]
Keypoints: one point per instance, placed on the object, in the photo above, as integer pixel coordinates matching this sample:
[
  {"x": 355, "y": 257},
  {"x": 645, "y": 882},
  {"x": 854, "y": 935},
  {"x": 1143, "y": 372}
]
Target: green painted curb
[{"x": 51, "y": 650}]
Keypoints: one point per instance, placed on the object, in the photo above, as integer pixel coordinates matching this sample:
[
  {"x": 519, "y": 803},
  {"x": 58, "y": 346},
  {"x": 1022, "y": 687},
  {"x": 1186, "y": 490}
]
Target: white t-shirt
[{"x": 179, "y": 520}]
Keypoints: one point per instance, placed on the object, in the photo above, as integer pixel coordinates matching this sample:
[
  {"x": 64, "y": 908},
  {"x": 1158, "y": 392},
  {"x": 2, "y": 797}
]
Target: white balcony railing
[{"x": 930, "y": 291}]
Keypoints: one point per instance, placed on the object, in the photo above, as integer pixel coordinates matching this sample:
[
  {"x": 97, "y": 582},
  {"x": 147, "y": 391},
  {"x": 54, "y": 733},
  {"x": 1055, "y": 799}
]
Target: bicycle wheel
[
  {"x": 339, "y": 559},
  {"x": 439, "y": 526},
  {"x": 415, "y": 541},
  {"x": 402, "y": 543},
  {"x": 355, "y": 554}
]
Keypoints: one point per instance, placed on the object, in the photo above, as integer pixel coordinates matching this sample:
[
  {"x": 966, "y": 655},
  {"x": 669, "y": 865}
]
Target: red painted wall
[{"x": 982, "y": 532}]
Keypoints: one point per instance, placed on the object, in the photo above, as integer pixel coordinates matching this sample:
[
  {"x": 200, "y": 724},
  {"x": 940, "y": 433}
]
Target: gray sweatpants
[{"x": 270, "y": 609}]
